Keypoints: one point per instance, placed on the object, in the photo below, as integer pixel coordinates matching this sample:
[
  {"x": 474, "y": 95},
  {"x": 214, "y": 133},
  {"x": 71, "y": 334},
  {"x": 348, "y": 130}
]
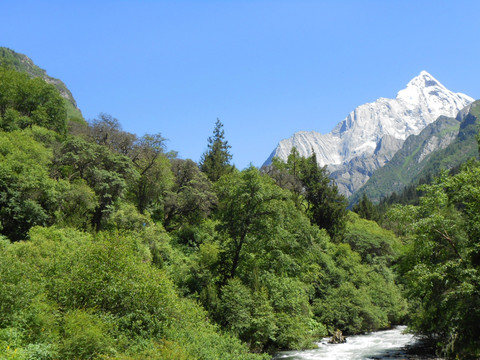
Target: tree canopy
[
  {"x": 113, "y": 248},
  {"x": 215, "y": 162},
  {"x": 25, "y": 102}
]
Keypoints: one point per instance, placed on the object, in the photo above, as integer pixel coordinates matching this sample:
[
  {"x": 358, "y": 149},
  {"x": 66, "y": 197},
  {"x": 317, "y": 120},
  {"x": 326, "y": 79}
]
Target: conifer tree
[
  {"x": 326, "y": 207},
  {"x": 215, "y": 162},
  {"x": 366, "y": 209}
]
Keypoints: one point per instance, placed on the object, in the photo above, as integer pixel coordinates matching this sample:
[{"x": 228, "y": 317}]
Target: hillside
[{"x": 22, "y": 63}]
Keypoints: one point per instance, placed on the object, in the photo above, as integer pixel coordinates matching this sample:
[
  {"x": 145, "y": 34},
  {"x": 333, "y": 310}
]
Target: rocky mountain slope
[
  {"x": 23, "y": 63},
  {"x": 371, "y": 134},
  {"x": 444, "y": 144}
]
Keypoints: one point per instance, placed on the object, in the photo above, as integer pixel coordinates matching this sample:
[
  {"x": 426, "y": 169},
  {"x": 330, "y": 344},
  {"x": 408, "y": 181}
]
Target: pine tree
[
  {"x": 366, "y": 209},
  {"x": 326, "y": 207},
  {"x": 215, "y": 162}
]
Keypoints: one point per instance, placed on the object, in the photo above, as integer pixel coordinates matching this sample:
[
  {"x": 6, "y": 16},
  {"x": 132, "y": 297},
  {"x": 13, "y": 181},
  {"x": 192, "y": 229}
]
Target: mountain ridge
[
  {"x": 444, "y": 144},
  {"x": 351, "y": 151}
]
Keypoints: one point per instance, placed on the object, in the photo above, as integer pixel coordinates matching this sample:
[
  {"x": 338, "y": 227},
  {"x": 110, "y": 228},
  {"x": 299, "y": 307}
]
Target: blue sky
[{"x": 265, "y": 68}]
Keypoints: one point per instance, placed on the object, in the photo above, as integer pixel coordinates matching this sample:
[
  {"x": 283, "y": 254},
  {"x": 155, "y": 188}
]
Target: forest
[{"x": 112, "y": 247}]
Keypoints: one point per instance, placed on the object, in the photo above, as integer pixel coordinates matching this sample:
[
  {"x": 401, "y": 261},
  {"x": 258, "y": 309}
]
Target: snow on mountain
[{"x": 350, "y": 150}]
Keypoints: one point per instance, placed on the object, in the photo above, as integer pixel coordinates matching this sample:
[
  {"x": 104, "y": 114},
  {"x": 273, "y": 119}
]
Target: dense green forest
[{"x": 114, "y": 248}]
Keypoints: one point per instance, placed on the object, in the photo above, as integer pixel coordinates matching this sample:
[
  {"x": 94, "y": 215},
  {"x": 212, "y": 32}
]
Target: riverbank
[{"x": 419, "y": 351}]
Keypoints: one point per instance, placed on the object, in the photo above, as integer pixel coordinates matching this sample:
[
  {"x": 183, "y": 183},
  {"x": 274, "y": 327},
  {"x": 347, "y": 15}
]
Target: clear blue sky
[{"x": 265, "y": 68}]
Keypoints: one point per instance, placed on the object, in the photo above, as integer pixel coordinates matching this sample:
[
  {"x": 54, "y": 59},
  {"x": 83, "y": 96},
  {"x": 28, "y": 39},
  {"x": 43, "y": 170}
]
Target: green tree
[
  {"x": 25, "y": 102},
  {"x": 287, "y": 175},
  {"x": 106, "y": 130},
  {"x": 215, "y": 162},
  {"x": 313, "y": 190},
  {"x": 441, "y": 263},
  {"x": 98, "y": 296},
  {"x": 365, "y": 209},
  {"x": 153, "y": 166},
  {"x": 28, "y": 196},
  {"x": 246, "y": 205},
  {"x": 326, "y": 207},
  {"x": 374, "y": 244},
  {"x": 190, "y": 199},
  {"x": 107, "y": 173}
]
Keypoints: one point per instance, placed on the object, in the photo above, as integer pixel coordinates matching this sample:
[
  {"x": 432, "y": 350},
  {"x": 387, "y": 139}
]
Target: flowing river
[{"x": 388, "y": 344}]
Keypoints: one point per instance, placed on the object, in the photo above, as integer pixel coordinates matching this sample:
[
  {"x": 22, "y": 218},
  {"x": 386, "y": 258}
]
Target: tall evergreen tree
[
  {"x": 215, "y": 162},
  {"x": 313, "y": 190},
  {"x": 366, "y": 209},
  {"x": 326, "y": 207}
]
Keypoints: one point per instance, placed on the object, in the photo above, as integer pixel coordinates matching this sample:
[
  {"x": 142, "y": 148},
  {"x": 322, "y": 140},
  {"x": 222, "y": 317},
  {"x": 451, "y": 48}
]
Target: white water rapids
[{"x": 388, "y": 344}]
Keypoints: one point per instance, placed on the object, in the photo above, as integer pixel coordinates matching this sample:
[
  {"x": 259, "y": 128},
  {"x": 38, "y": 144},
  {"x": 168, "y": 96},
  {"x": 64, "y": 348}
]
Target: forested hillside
[
  {"x": 113, "y": 248},
  {"x": 22, "y": 63}
]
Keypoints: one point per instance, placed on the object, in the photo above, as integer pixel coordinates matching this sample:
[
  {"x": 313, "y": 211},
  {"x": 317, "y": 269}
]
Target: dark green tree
[
  {"x": 106, "y": 130},
  {"x": 215, "y": 162},
  {"x": 313, "y": 190},
  {"x": 441, "y": 265},
  {"x": 106, "y": 172},
  {"x": 28, "y": 195},
  {"x": 366, "y": 209},
  {"x": 326, "y": 207},
  {"x": 190, "y": 199},
  {"x": 287, "y": 174},
  {"x": 153, "y": 166}
]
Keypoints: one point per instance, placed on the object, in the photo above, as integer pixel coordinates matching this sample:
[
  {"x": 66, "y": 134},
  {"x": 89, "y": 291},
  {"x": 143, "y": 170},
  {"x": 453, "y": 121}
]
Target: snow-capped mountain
[{"x": 372, "y": 133}]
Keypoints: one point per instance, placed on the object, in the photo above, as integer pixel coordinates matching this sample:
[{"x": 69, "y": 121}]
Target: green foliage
[
  {"x": 27, "y": 194},
  {"x": 191, "y": 197},
  {"x": 105, "y": 172},
  {"x": 366, "y": 209},
  {"x": 215, "y": 161},
  {"x": 107, "y": 131},
  {"x": 247, "y": 206},
  {"x": 148, "y": 157},
  {"x": 287, "y": 175},
  {"x": 85, "y": 336},
  {"x": 236, "y": 307},
  {"x": 12, "y": 60},
  {"x": 373, "y": 243},
  {"x": 25, "y": 102},
  {"x": 359, "y": 299},
  {"x": 326, "y": 207},
  {"x": 153, "y": 166},
  {"x": 311, "y": 187},
  {"x": 441, "y": 262},
  {"x": 76, "y": 205},
  {"x": 96, "y": 297}
]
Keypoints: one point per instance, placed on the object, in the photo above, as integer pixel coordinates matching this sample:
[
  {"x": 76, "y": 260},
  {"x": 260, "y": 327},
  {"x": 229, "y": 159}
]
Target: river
[{"x": 387, "y": 344}]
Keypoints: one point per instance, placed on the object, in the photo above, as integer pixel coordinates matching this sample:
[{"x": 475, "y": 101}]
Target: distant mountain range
[{"x": 369, "y": 136}]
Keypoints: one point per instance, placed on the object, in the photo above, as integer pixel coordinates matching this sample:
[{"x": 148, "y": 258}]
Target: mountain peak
[
  {"x": 424, "y": 88},
  {"x": 349, "y": 149},
  {"x": 423, "y": 80}
]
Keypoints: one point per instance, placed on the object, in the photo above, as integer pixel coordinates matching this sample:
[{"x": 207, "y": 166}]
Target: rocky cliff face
[
  {"x": 410, "y": 160},
  {"x": 371, "y": 134}
]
